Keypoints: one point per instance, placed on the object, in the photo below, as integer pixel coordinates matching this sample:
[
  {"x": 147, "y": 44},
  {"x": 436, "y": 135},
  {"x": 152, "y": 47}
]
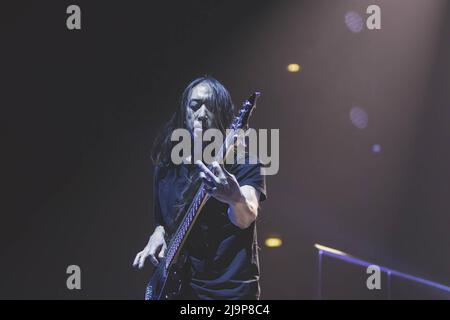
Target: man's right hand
[{"x": 156, "y": 246}]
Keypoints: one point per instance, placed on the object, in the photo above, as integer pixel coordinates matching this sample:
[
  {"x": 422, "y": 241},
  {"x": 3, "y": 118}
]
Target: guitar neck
[{"x": 180, "y": 235}]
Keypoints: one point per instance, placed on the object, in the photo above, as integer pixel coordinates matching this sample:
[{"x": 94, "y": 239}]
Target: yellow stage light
[
  {"x": 293, "y": 67},
  {"x": 273, "y": 242}
]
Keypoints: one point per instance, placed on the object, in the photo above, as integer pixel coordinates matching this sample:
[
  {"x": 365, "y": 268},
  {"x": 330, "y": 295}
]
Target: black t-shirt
[{"x": 223, "y": 258}]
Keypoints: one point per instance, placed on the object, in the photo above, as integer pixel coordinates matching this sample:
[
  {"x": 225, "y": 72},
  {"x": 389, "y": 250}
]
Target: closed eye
[{"x": 195, "y": 105}]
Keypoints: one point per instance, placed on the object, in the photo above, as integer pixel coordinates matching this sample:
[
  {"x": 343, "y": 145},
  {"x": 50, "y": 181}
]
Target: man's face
[{"x": 198, "y": 114}]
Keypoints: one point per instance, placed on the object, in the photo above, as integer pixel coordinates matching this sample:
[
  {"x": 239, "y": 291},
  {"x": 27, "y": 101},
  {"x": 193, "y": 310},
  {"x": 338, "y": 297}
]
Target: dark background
[{"x": 80, "y": 110}]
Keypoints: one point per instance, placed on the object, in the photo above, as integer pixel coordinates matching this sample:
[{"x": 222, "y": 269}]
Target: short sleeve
[
  {"x": 251, "y": 175},
  {"x": 156, "y": 206}
]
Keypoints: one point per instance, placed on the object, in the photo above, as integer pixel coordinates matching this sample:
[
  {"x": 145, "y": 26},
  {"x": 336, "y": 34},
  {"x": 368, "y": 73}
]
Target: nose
[{"x": 203, "y": 115}]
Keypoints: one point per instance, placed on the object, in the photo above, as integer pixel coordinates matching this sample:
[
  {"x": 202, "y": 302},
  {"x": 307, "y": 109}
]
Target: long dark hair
[{"x": 222, "y": 108}]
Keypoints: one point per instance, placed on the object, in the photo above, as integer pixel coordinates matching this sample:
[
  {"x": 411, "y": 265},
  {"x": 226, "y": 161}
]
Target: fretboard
[{"x": 179, "y": 235}]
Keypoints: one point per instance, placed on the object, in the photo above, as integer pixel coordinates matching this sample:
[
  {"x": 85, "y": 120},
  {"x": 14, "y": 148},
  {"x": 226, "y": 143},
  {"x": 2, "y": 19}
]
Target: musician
[{"x": 222, "y": 246}]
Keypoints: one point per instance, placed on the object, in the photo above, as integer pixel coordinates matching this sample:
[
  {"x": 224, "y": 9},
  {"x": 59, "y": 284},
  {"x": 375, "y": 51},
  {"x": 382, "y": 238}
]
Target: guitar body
[{"x": 167, "y": 284}]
